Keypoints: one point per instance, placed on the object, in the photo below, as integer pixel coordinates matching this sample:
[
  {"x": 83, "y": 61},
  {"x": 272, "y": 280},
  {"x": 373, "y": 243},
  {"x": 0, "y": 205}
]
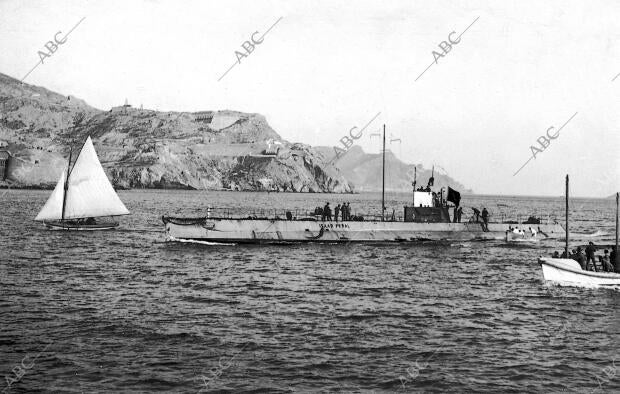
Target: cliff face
[
  {"x": 364, "y": 170},
  {"x": 150, "y": 149}
]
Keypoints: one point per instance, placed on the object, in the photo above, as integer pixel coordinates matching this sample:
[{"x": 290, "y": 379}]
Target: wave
[{"x": 194, "y": 241}]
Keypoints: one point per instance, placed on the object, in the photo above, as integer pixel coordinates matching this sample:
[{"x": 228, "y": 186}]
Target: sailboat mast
[
  {"x": 566, "y": 246},
  {"x": 383, "y": 185},
  {"x": 64, "y": 195}
]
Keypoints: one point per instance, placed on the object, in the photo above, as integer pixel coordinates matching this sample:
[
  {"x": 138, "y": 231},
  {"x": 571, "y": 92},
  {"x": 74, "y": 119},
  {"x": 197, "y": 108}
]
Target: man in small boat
[
  {"x": 459, "y": 213},
  {"x": 606, "y": 263},
  {"x": 613, "y": 257},
  {"x": 590, "y": 249},
  {"x": 90, "y": 221},
  {"x": 485, "y": 219},
  {"x": 580, "y": 258},
  {"x": 555, "y": 255}
]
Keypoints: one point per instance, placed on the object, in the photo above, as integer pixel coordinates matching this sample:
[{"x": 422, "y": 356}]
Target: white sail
[
  {"x": 52, "y": 210},
  {"x": 89, "y": 193}
]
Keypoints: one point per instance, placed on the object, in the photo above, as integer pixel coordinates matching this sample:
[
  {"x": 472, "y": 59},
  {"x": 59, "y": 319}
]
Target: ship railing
[
  {"x": 546, "y": 219},
  {"x": 295, "y": 214},
  {"x": 511, "y": 218},
  {"x": 304, "y": 214},
  {"x": 261, "y": 213}
]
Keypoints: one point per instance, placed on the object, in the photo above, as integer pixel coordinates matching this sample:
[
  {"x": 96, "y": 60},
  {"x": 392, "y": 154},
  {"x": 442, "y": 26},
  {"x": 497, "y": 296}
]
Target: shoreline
[{"x": 5, "y": 186}]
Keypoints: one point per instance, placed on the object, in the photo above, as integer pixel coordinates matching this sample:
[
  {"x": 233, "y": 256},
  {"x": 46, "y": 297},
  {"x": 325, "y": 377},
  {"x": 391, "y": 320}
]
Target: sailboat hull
[{"x": 67, "y": 226}]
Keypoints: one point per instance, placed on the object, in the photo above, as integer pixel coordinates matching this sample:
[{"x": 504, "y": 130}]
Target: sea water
[{"x": 124, "y": 310}]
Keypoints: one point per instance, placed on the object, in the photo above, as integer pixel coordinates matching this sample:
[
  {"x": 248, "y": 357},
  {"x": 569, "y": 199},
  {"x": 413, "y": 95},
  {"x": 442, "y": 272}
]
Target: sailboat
[
  {"x": 83, "y": 194},
  {"x": 566, "y": 270}
]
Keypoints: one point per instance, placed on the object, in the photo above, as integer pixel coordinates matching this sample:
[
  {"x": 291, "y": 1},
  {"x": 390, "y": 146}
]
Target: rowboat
[
  {"x": 82, "y": 194},
  {"x": 569, "y": 271},
  {"x": 526, "y": 237}
]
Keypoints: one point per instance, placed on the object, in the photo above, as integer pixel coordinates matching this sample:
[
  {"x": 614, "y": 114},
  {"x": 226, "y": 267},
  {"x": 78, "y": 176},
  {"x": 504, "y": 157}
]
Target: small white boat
[
  {"x": 569, "y": 271},
  {"x": 82, "y": 194},
  {"x": 511, "y": 236}
]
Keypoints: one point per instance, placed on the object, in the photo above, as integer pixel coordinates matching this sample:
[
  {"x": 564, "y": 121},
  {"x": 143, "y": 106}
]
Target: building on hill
[
  {"x": 272, "y": 147},
  {"x": 121, "y": 108},
  {"x": 4, "y": 164}
]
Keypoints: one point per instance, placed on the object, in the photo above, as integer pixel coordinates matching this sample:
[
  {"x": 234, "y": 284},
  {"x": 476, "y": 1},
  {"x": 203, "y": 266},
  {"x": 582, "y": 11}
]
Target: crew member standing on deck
[
  {"x": 337, "y": 212},
  {"x": 328, "y": 212},
  {"x": 477, "y": 214},
  {"x": 485, "y": 219}
]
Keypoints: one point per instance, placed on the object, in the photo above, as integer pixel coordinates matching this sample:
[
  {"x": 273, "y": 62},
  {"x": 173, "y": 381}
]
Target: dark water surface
[{"x": 124, "y": 311}]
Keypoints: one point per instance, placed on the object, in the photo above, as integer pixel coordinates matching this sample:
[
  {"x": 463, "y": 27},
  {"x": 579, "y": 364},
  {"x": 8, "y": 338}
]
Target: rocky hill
[
  {"x": 364, "y": 170},
  {"x": 151, "y": 149}
]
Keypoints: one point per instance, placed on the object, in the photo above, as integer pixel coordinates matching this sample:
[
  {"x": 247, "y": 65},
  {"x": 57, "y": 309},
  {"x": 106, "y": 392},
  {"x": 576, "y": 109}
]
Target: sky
[{"x": 518, "y": 68}]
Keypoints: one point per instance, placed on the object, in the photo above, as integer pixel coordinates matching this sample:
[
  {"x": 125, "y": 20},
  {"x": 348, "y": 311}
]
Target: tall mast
[
  {"x": 64, "y": 195},
  {"x": 617, "y": 262},
  {"x": 566, "y": 246},
  {"x": 77, "y": 119},
  {"x": 383, "y": 186},
  {"x": 415, "y": 178}
]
